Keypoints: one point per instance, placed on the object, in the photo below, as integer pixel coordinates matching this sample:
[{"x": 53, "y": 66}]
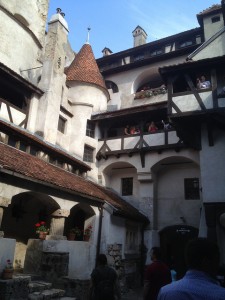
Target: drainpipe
[{"x": 100, "y": 208}]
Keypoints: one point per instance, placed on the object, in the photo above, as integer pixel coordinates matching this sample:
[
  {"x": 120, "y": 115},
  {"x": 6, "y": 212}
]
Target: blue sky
[{"x": 112, "y": 21}]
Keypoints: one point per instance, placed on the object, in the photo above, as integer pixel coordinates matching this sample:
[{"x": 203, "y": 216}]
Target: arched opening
[
  {"x": 81, "y": 217},
  {"x": 173, "y": 240},
  {"x": 25, "y": 210},
  {"x": 19, "y": 219}
]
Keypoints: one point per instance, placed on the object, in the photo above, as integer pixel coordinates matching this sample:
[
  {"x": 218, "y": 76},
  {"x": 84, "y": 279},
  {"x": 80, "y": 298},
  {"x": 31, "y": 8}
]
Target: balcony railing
[
  {"x": 161, "y": 140},
  {"x": 148, "y": 93}
]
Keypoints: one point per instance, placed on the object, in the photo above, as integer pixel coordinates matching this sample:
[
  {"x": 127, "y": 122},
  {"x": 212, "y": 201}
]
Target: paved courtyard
[{"x": 134, "y": 295}]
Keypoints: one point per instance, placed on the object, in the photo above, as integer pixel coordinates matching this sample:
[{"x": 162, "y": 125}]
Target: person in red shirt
[
  {"x": 157, "y": 275},
  {"x": 152, "y": 127}
]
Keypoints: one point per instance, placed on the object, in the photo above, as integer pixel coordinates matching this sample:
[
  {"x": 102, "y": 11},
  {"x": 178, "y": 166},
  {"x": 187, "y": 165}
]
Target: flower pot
[
  {"x": 71, "y": 236},
  {"x": 42, "y": 235},
  {"x": 7, "y": 274}
]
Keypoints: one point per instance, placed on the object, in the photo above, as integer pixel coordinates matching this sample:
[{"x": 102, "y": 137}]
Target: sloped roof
[
  {"x": 18, "y": 163},
  {"x": 25, "y": 135},
  {"x": 211, "y": 10},
  {"x": 85, "y": 69}
]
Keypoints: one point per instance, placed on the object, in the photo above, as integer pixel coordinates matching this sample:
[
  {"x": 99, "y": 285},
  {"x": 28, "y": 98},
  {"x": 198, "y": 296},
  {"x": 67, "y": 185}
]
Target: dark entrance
[{"x": 173, "y": 240}]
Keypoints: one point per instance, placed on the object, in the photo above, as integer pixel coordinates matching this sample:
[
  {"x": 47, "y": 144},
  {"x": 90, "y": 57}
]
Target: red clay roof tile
[
  {"x": 33, "y": 168},
  {"x": 85, "y": 69}
]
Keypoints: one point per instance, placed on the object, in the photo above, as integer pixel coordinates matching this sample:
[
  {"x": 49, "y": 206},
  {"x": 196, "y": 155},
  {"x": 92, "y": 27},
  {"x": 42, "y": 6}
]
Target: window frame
[
  {"x": 88, "y": 157},
  {"x": 90, "y": 129},
  {"x": 190, "y": 191},
  {"x": 62, "y": 126},
  {"x": 127, "y": 190}
]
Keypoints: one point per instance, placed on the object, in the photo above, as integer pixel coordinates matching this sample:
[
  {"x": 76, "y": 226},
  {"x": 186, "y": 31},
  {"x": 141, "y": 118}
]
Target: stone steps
[
  {"x": 47, "y": 294},
  {"x": 24, "y": 287}
]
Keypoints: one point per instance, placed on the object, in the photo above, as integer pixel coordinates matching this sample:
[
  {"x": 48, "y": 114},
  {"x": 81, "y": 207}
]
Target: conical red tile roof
[{"x": 85, "y": 69}]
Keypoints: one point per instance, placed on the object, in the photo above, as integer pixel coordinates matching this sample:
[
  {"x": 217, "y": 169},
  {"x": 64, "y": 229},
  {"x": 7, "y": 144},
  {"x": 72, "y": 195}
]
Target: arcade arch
[{"x": 81, "y": 216}]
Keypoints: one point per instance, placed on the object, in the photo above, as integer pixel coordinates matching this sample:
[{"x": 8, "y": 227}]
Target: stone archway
[
  {"x": 81, "y": 216},
  {"x": 20, "y": 217}
]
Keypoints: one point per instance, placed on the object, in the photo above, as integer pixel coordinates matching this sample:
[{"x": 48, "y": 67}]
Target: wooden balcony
[
  {"x": 200, "y": 101},
  {"x": 148, "y": 142},
  {"x": 12, "y": 114}
]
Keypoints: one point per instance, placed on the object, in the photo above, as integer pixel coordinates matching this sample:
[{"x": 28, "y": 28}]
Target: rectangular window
[
  {"x": 191, "y": 188},
  {"x": 88, "y": 154},
  {"x": 61, "y": 124},
  {"x": 12, "y": 141},
  {"x": 127, "y": 186},
  {"x": 215, "y": 19},
  {"x": 90, "y": 129}
]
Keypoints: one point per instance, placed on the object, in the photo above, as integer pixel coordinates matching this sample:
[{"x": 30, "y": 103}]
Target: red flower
[
  {"x": 42, "y": 223},
  {"x": 38, "y": 225}
]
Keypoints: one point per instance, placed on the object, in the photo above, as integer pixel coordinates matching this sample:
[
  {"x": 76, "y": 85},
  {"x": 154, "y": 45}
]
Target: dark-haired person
[
  {"x": 202, "y": 259},
  {"x": 157, "y": 275},
  {"x": 104, "y": 281}
]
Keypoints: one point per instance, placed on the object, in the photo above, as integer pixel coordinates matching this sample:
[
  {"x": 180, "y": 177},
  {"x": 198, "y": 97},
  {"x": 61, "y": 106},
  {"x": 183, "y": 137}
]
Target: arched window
[{"x": 111, "y": 85}]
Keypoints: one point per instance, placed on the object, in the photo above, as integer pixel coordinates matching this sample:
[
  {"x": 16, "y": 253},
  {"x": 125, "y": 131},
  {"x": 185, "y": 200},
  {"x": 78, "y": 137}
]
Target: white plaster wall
[
  {"x": 32, "y": 116},
  {"x": 213, "y": 167},
  {"x": 211, "y": 28},
  {"x": 88, "y": 94},
  {"x": 7, "y": 249},
  {"x": 170, "y": 202},
  {"x": 129, "y": 81},
  {"x": 26, "y": 48},
  {"x": 189, "y": 102},
  {"x": 150, "y": 159},
  {"x": 214, "y": 49},
  {"x": 17, "y": 115},
  {"x": 81, "y": 256},
  {"x": 34, "y": 12}
]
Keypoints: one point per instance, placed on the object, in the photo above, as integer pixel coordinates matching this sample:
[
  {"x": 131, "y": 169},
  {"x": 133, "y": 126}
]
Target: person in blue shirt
[{"x": 199, "y": 282}]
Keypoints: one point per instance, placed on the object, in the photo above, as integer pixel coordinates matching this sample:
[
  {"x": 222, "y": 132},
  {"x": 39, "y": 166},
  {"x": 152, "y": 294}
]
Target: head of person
[
  {"x": 202, "y": 255},
  {"x": 102, "y": 260},
  {"x": 155, "y": 253},
  {"x": 202, "y": 78}
]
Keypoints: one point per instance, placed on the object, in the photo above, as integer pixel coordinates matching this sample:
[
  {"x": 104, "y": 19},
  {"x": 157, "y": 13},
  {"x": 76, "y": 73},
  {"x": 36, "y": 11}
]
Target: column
[
  {"x": 57, "y": 224},
  {"x": 4, "y": 202}
]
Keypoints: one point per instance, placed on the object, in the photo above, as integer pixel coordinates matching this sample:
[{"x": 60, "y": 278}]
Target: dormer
[
  {"x": 211, "y": 20},
  {"x": 106, "y": 51},
  {"x": 140, "y": 36}
]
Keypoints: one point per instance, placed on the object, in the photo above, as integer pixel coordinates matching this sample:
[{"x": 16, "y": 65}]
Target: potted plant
[
  {"x": 73, "y": 233},
  {"x": 8, "y": 270},
  {"x": 42, "y": 230},
  {"x": 87, "y": 233}
]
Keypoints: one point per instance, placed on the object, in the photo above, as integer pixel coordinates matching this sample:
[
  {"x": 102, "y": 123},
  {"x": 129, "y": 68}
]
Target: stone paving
[{"x": 136, "y": 294}]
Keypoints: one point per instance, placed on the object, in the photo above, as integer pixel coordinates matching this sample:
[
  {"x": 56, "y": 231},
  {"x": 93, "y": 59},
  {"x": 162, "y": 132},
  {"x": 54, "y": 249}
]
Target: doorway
[{"x": 173, "y": 240}]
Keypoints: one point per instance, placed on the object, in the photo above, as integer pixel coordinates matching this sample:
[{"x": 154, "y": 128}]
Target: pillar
[
  {"x": 57, "y": 223},
  {"x": 4, "y": 202}
]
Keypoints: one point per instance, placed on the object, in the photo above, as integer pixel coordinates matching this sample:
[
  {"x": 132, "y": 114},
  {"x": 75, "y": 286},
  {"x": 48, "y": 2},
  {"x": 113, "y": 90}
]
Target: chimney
[{"x": 140, "y": 36}]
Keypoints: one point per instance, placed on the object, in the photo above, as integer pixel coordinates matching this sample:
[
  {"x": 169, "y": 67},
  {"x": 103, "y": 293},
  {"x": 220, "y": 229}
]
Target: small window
[
  {"x": 33, "y": 151},
  {"x": 191, "y": 188},
  {"x": 185, "y": 44},
  {"x": 215, "y": 19},
  {"x": 61, "y": 124},
  {"x": 127, "y": 186},
  {"x": 90, "y": 129},
  {"x": 12, "y": 141},
  {"x": 139, "y": 57},
  {"x": 156, "y": 52},
  {"x": 23, "y": 147},
  {"x": 88, "y": 154}
]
